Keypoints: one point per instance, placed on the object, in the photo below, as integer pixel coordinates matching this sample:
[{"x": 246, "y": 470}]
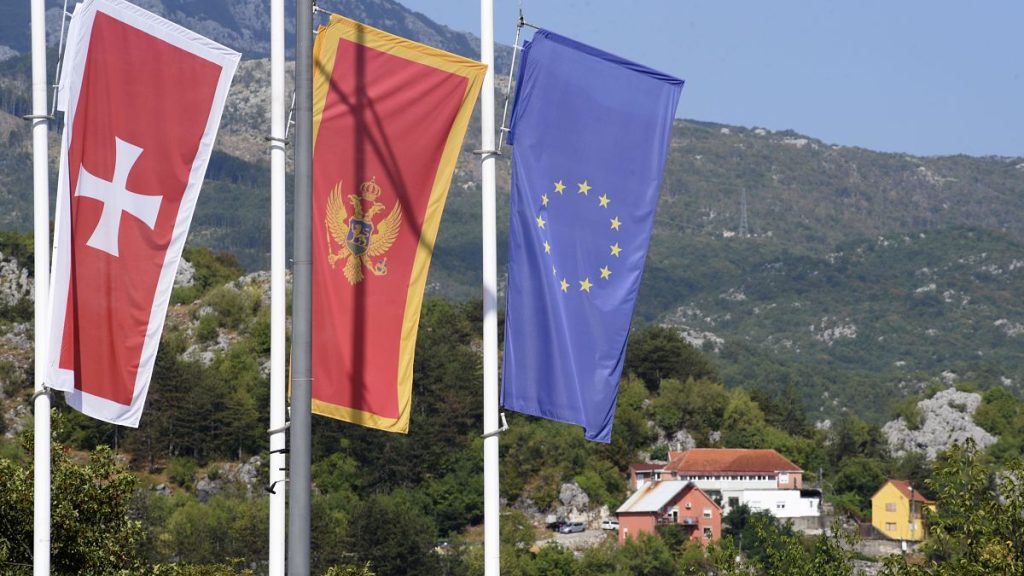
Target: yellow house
[{"x": 897, "y": 511}]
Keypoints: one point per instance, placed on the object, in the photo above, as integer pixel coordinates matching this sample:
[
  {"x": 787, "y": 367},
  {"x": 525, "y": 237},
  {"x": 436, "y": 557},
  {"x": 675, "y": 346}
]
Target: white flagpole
[
  {"x": 41, "y": 195},
  {"x": 276, "y": 550},
  {"x": 492, "y": 555}
]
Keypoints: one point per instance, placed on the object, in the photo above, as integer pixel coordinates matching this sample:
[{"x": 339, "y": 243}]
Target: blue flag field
[{"x": 590, "y": 133}]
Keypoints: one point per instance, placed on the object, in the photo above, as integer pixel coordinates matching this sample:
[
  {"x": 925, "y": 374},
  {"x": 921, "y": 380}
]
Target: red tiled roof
[
  {"x": 904, "y": 487},
  {"x": 731, "y": 460},
  {"x": 646, "y": 467}
]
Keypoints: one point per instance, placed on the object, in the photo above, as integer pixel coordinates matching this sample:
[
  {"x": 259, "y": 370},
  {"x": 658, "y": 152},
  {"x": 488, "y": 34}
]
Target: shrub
[{"x": 182, "y": 471}]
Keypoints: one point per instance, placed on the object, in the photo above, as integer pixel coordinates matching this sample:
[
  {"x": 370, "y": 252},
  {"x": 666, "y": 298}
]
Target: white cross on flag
[{"x": 142, "y": 99}]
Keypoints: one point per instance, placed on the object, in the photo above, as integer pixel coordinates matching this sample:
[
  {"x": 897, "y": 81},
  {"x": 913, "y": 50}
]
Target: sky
[{"x": 922, "y": 77}]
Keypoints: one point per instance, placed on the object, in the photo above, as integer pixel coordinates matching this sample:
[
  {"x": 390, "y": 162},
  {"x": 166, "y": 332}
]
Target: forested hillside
[{"x": 190, "y": 480}]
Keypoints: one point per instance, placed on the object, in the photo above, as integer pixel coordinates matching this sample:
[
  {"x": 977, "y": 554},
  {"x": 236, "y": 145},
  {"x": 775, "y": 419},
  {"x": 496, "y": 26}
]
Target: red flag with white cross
[{"x": 142, "y": 99}]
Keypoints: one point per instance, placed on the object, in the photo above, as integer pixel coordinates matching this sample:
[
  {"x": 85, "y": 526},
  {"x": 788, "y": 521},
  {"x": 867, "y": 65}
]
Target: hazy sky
[{"x": 917, "y": 76}]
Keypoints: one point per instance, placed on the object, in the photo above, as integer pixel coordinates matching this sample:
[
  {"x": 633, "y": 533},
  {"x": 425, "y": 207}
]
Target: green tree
[
  {"x": 862, "y": 477},
  {"x": 786, "y": 553},
  {"x": 851, "y": 436},
  {"x": 647, "y": 555},
  {"x": 743, "y": 423},
  {"x": 656, "y": 353},
  {"x": 394, "y": 536},
  {"x": 555, "y": 560},
  {"x": 783, "y": 410},
  {"x": 93, "y": 530},
  {"x": 979, "y": 525}
]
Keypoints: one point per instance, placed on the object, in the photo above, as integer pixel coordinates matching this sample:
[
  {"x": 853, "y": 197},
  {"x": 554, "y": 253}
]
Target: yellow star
[
  {"x": 605, "y": 273},
  {"x": 541, "y": 221},
  {"x": 584, "y": 188},
  {"x": 547, "y": 247},
  {"x": 564, "y": 285},
  {"x": 616, "y": 249},
  {"x": 585, "y": 285},
  {"x": 544, "y": 199},
  {"x": 616, "y": 223},
  {"x": 604, "y": 200},
  {"x": 559, "y": 187}
]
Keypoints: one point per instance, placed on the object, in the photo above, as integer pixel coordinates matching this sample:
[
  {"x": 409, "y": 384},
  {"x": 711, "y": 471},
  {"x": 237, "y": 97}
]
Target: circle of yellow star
[
  {"x": 605, "y": 273},
  {"x": 603, "y": 198},
  {"x": 541, "y": 221},
  {"x": 616, "y": 223},
  {"x": 547, "y": 247},
  {"x": 584, "y": 187},
  {"x": 564, "y": 285},
  {"x": 615, "y": 249},
  {"x": 585, "y": 285},
  {"x": 544, "y": 199},
  {"x": 559, "y": 187}
]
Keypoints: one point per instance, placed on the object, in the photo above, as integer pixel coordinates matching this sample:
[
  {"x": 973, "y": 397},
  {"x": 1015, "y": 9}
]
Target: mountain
[
  {"x": 245, "y": 26},
  {"x": 861, "y": 274}
]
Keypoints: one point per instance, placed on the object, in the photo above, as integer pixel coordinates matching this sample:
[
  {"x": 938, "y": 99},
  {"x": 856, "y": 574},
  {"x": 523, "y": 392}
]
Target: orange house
[{"x": 670, "y": 502}]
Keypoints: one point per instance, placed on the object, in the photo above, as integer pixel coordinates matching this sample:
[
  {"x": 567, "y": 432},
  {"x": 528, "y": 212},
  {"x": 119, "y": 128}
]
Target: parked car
[
  {"x": 556, "y": 525},
  {"x": 610, "y": 524},
  {"x": 570, "y": 527}
]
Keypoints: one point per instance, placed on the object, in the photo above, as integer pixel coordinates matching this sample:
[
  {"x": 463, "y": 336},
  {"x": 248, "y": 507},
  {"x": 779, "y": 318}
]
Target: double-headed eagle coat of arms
[{"x": 361, "y": 240}]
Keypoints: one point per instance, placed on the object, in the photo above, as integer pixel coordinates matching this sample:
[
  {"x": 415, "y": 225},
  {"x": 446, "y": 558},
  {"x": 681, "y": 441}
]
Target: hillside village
[{"x": 702, "y": 481}]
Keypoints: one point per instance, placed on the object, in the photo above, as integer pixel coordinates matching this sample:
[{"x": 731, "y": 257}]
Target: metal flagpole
[
  {"x": 299, "y": 483},
  {"x": 492, "y": 555},
  {"x": 41, "y": 194},
  {"x": 276, "y": 550}
]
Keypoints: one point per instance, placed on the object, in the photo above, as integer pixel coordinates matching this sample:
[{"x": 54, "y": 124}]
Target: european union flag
[{"x": 590, "y": 133}]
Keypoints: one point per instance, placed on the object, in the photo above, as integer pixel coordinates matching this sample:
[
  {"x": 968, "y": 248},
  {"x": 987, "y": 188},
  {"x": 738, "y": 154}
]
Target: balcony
[{"x": 683, "y": 520}]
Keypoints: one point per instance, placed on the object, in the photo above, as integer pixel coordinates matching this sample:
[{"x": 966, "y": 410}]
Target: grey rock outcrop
[
  {"x": 678, "y": 441},
  {"x": 945, "y": 420},
  {"x": 247, "y": 474},
  {"x": 575, "y": 503},
  {"x": 185, "y": 275},
  {"x": 15, "y": 281}
]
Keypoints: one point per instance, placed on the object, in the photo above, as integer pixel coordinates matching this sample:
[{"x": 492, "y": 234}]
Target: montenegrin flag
[
  {"x": 389, "y": 116},
  {"x": 142, "y": 99}
]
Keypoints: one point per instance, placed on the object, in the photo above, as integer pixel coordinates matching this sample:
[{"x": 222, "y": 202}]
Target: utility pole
[{"x": 744, "y": 232}]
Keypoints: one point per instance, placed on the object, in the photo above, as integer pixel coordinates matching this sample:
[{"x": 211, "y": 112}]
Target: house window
[
  {"x": 689, "y": 505},
  {"x": 890, "y": 506},
  {"x": 707, "y": 532},
  {"x": 780, "y": 505},
  {"x": 707, "y": 512},
  {"x": 890, "y": 526},
  {"x": 783, "y": 477}
]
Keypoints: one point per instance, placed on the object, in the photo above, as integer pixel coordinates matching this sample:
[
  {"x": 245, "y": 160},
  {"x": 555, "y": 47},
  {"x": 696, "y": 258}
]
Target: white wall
[{"x": 781, "y": 503}]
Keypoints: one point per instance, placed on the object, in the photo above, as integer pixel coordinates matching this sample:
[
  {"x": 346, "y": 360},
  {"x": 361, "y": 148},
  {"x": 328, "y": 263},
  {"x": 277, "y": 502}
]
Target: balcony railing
[{"x": 683, "y": 520}]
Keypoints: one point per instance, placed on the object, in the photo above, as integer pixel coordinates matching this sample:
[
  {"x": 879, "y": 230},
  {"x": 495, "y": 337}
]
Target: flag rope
[
  {"x": 516, "y": 48},
  {"x": 65, "y": 16}
]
